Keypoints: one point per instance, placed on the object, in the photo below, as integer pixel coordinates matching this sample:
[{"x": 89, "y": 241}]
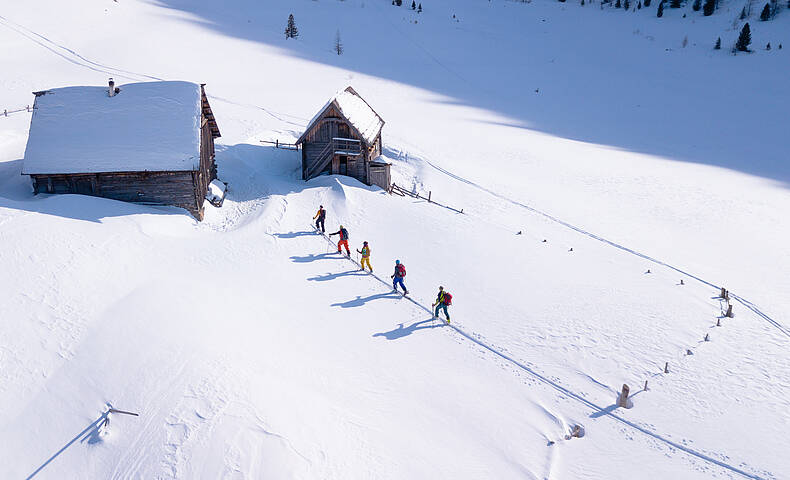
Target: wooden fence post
[
  {"x": 5, "y": 112},
  {"x": 729, "y": 313},
  {"x": 645, "y": 389},
  {"x": 666, "y": 367},
  {"x": 718, "y": 322},
  {"x": 429, "y": 196},
  {"x": 707, "y": 337},
  {"x": 623, "y": 402}
]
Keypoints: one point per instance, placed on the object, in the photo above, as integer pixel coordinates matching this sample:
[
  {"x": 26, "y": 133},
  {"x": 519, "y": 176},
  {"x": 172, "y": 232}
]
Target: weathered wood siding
[
  {"x": 152, "y": 188},
  {"x": 331, "y": 125},
  {"x": 380, "y": 175}
]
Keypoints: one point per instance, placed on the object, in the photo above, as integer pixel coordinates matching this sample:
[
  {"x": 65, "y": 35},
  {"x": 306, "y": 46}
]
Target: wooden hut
[
  {"x": 344, "y": 138},
  {"x": 149, "y": 143}
]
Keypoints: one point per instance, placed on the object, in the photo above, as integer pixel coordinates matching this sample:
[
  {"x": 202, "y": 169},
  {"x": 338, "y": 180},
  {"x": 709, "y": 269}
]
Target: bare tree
[{"x": 338, "y": 44}]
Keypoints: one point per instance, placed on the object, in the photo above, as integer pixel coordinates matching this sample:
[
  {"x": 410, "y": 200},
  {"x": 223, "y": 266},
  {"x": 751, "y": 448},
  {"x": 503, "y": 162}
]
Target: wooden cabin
[
  {"x": 344, "y": 138},
  {"x": 149, "y": 143}
]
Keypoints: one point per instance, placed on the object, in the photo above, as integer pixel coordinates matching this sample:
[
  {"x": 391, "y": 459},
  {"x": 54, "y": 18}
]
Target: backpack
[
  {"x": 401, "y": 269},
  {"x": 448, "y": 299},
  {"x": 343, "y": 234}
]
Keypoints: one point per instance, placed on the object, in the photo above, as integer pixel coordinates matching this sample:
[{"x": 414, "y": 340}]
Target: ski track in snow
[
  {"x": 554, "y": 384},
  {"x": 72, "y": 56},
  {"x": 746, "y": 303}
]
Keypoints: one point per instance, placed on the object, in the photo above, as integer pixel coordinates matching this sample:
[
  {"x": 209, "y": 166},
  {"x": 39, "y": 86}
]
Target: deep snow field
[{"x": 250, "y": 350}]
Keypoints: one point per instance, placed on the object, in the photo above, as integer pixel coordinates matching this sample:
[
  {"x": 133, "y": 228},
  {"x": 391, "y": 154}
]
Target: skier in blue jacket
[{"x": 397, "y": 277}]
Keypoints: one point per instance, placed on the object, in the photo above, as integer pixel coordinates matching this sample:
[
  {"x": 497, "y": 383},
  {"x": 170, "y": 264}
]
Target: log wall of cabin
[{"x": 152, "y": 188}]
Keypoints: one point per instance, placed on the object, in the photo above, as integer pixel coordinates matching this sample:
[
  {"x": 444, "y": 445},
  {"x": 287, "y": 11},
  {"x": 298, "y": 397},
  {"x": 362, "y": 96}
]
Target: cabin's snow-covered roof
[
  {"x": 357, "y": 111},
  {"x": 151, "y": 126}
]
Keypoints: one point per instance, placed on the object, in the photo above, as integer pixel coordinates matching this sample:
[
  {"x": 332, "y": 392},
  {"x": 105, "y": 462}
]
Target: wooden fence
[
  {"x": 283, "y": 145},
  {"x": 7, "y": 112}
]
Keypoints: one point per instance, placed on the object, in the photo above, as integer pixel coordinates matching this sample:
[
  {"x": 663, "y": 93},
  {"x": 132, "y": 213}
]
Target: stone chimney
[{"x": 112, "y": 87}]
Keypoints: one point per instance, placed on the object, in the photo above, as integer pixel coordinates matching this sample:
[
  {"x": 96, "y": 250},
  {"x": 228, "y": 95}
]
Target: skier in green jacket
[{"x": 443, "y": 300}]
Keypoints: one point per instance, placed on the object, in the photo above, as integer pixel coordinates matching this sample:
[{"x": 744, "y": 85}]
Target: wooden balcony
[{"x": 347, "y": 146}]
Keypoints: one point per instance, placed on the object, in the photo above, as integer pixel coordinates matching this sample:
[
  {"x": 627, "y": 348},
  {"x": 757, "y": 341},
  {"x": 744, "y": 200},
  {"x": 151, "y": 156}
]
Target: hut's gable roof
[
  {"x": 151, "y": 126},
  {"x": 353, "y": 108}
]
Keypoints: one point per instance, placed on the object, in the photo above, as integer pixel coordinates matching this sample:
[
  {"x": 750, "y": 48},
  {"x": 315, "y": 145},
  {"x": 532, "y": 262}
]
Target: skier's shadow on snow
[
  {"x": 332, "y": 276},
  {"x": 359, "y": 301},
  {"x": 402, "y": 331},
  {"x": 296, "y": 234},
  {"x": 313, "y": 257}
]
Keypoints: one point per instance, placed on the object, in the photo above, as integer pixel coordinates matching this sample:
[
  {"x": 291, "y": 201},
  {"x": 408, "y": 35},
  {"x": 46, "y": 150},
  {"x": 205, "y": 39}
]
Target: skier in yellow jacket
[{"x": 365, "y": 256}]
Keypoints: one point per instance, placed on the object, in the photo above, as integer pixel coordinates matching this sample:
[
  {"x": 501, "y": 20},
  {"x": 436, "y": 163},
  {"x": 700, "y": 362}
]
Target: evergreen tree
[
  {"x": 617, "y": 4},
  {"x": 413, "y": 5},
  {"x": 639, "y": 5},
  {"x": 626, "y": 5},
  {"x": 647, "y": 3},
  {"x": 743, "y": 13},
  {"x": 718, "y": 44},
  {"x": 290, "y": 30},
  {"x": 709, "y": 7},
  {"x": 419, "y": 8},
  {"x": 338, "y": 44},
  {"x": 766, "y": 14},
  {"x": 696, "y": 5},
  {"x": 674, "y": 3},
  {"x": 582, "y": 3},
  {"x": 399, "y": 2},
  {"x": 660, "y": 12},
  {"x": 744, "y": 39},
  {"x": 768, "y": 47}
]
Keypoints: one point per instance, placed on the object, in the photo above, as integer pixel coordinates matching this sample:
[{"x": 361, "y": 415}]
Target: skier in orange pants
[{"x": 343, "y": 240}]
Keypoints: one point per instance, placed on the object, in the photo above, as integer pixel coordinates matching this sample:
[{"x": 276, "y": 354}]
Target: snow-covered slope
[{"x": 251, "y": 351}]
